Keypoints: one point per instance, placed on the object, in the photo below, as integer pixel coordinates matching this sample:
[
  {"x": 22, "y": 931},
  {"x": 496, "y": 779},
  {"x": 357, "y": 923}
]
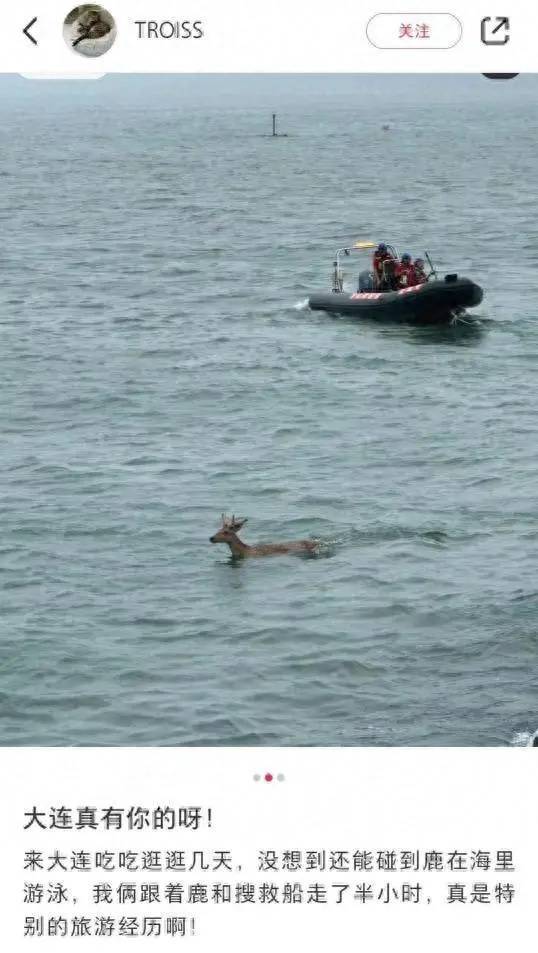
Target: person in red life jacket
[
  {"x": 419, "y": 276},
  {"x": 405, "y": 271},
  {"x": 381, "y": 256}
]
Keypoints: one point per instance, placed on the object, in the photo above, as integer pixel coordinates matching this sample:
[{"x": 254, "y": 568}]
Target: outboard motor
[{"x": 366, "y": 281}]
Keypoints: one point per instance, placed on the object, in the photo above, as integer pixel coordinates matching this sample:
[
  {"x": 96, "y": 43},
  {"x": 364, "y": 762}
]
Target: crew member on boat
[
  {"x": 381, "y": 259},
  {"x": 404, "y": 271},
  {"x": 419, "y": 273}
]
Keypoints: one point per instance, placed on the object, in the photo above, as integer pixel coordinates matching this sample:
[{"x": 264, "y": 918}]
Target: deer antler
[
  {"x": 233, "y": 523},
  {"x": 238, "y": 523}
]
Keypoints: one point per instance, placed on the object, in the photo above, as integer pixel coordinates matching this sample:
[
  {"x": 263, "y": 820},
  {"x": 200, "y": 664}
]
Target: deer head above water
[{"x": 228, "y": 534}]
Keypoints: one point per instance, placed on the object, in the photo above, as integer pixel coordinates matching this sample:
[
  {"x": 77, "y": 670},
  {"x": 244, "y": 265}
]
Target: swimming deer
[{"x": 228, "y": 534}]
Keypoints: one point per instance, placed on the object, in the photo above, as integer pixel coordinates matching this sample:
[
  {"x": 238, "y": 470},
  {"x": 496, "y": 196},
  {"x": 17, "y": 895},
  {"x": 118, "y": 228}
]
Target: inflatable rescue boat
[{"x": 436, "y": 300}]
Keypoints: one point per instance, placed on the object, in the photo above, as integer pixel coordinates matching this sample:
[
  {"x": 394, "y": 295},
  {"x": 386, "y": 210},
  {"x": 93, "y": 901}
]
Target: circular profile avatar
[{"x": 89, "y": 29}]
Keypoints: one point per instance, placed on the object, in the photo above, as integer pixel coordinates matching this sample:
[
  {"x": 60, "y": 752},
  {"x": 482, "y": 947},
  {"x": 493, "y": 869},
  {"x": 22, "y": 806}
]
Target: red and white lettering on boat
[
  {"x": 405, "y": 291},
  {"x": 366, "y": 295}
]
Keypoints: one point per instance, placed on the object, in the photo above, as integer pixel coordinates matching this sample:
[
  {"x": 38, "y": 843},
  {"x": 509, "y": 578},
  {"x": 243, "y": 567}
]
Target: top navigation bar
[{"x": 242, "y": 36}]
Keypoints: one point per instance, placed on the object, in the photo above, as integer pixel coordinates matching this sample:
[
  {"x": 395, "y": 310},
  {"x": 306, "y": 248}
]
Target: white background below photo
[{"x": 349, "y": 802}]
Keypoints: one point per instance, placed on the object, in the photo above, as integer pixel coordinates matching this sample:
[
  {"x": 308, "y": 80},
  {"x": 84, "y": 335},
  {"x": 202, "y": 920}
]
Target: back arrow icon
[{"x": 27, "y": 29}]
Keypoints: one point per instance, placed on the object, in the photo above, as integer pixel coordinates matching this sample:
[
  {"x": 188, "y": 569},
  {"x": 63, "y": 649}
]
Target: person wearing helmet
[
  {"x": 382, "y": 256},
  {"x": 404, "y": 271},
  {"x": 419, "y": 276}
]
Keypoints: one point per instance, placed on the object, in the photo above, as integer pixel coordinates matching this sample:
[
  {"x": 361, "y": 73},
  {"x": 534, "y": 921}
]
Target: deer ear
[{"x": 240, "y": 522}]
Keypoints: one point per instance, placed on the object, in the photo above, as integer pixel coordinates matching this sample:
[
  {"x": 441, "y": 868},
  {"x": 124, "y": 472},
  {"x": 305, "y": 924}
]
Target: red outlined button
[{"x": 414, "y": 31}]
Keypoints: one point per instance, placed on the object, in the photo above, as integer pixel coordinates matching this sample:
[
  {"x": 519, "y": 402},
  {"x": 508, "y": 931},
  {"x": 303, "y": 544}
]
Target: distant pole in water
[{"x": 275, "y": 134}]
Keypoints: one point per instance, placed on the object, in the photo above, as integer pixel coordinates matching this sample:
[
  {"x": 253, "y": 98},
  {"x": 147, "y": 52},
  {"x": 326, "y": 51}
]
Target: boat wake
[
  {"x": 525, "y": 739},
  {"x": 460, "y": 317},
  {"x": 301, "y": 305}
]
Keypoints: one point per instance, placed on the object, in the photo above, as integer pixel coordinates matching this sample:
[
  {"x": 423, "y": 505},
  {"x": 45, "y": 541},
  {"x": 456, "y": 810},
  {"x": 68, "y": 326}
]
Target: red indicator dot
[{"x": 268, "y": 777}]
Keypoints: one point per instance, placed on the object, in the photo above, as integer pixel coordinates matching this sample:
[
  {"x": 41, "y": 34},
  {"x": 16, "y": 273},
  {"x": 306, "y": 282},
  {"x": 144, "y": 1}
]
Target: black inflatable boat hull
[{"x": 433, "y": 301}]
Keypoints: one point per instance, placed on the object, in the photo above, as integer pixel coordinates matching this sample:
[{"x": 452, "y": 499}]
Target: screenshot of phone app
[{"x": 268, "y": 415}]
